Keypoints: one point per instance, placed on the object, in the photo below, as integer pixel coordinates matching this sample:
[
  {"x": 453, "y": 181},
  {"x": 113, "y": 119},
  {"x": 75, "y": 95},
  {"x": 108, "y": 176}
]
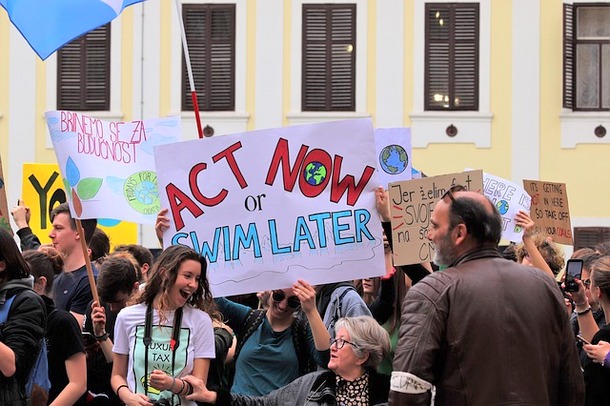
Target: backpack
[{"x": 39, "y": 375}]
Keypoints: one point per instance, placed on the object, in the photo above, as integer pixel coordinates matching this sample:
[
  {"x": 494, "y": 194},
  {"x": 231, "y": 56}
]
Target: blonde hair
[{"x": 551, "y": 252}]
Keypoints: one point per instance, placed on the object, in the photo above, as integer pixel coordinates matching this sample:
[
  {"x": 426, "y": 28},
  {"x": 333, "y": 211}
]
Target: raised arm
[
  {"x": 524, "y": 220},
  {"x": 307, "y": 295}
]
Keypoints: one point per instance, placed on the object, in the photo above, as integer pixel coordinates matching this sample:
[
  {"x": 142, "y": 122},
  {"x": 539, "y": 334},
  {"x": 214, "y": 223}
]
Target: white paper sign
[
  {"x": 269, "y": 207},
  {"x": 393, "y": 146},
  {"x": 108, "y": 167}
]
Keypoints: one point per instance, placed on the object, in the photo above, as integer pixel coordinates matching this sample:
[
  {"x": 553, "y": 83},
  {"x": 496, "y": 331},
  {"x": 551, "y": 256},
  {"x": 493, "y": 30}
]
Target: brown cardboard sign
[
  {"x": 550, "y": 210},
  {"x": 411, "y": 206},
  {"x": 5, "y": 221}
]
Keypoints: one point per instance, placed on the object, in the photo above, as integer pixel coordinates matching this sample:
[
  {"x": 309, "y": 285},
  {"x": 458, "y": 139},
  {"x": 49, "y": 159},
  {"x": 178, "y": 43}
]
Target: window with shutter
[
  {"x": 83, "y": 72},
  {"x": 210, "y": 33},
  {"x": 452, "y": 56},
  {"x": 586, "y": 57},
  {"x": 329, "y": 57},
  {"x": 589, "y": 237}
]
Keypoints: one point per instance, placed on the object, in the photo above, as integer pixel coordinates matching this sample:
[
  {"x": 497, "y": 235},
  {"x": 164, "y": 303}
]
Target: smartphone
[
  {"x": 573, "y": 271},
  {"x": 88, "y": 338},
  {"x": 582, "y": 340}
]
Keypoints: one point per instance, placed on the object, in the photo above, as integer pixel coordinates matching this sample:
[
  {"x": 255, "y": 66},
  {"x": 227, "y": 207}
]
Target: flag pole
[
  {"x": 189, "y": 69},
  {"x": 83, "y": 244}
]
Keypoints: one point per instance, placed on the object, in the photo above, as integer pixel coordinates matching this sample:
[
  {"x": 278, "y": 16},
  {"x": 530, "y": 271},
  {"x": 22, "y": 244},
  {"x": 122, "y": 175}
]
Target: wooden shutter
[
  {"x": 329, "y": 57},
  {"x": 452, "y": 56},
  {"x": 589, "y": 237},
  {"x": 83, "y": 72},
  {"x": 210, "y": 33},
  {"x": 568, "y": 56}
]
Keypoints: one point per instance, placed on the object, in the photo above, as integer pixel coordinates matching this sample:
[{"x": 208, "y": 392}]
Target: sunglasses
[
  {"x": 453, "y": 189},
  {"x": 293, "y": 301}
]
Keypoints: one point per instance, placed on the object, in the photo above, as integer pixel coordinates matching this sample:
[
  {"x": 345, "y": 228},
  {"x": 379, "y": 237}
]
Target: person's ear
[
  {"x": 460, "y": 233},
  {"x": 363, "y": 359},
  {"x": 42, "y": 281},
  {"x": 2, "y": 266}
]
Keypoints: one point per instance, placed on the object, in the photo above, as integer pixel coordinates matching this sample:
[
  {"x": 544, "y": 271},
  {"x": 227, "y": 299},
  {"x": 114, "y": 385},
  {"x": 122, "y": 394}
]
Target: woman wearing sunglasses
[
  {"x": 357, "y": 349},
  {"x": 274, "y": 346}
]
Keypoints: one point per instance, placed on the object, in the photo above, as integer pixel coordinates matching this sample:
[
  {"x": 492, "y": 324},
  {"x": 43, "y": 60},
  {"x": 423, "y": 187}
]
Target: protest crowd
[{"x": 477, "y": 326}]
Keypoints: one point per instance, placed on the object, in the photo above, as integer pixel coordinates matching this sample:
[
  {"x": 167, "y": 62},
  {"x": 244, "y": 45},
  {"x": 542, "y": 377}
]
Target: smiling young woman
[{"x": 168, "y": 334}]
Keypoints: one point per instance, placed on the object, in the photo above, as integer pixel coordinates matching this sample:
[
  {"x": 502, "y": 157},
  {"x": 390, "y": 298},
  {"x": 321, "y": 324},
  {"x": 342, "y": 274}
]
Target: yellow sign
[{"x": 43, "y": 190}]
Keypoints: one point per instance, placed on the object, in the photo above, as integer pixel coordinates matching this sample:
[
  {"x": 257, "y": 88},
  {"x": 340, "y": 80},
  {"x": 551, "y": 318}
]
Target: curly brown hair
[{"x": 551, "y": 252}]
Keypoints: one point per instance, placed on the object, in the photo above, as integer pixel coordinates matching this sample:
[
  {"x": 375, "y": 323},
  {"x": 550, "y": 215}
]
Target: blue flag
[{"x": 47, "y": 25}]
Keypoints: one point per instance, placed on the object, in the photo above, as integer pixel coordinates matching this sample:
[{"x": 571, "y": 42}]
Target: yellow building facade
[{"x": 519, "y": 131}]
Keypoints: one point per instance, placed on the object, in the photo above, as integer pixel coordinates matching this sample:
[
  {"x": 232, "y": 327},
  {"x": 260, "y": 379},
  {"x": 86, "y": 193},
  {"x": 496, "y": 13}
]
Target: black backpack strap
[
  {"x": 301, "y": 346},
  {"x": 251, "y": 323}
]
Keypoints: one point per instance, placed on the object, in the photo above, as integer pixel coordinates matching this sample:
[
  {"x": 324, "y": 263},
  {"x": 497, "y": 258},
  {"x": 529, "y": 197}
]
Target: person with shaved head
[{"x": 485, "y": 330}]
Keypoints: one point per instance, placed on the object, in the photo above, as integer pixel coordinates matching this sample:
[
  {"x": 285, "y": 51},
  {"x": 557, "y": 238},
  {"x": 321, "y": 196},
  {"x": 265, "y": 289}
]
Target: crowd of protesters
[{"x": 488, "y": 328}]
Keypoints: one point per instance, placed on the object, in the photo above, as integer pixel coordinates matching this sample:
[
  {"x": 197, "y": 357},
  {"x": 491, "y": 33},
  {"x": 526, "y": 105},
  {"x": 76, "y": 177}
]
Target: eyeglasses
[
  {"x": 339, "y": 342},
  {"x": 453, "y": 189},
  {"x": 293, "y": 301}
]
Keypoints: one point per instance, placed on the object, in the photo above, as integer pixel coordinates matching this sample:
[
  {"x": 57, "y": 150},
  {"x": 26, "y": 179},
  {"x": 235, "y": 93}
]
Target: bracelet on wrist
[
  {"x": 171, "y": 388},
  {"x": 119, "y": 388},
  {"x": 182, "y": 388},
  {"x": 585, "y": 311},
  {"x": 102, "y": 337}
]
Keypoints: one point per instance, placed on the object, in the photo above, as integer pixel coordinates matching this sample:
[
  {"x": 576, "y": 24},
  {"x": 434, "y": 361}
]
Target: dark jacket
[
  {"x": 29, "y": 240},
  {"x": 487, "y": 331},
  {"x": 313, "y": 389},
  {"x": 23, "y": 333}
]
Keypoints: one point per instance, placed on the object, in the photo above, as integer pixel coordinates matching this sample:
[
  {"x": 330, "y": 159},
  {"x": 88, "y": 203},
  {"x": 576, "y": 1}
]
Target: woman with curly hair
[
  {"x": 538, "y": 250},
  {"x": 167, "y": 334}
]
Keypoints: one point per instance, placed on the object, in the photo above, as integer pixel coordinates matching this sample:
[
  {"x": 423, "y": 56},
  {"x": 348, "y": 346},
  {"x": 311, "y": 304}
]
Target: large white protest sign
[
  {"x": 107, "y": 167},
  {"x": 509, "y": 198},
  {"x": 393, "y": 146},
  {"x": 269, "y": 207}
]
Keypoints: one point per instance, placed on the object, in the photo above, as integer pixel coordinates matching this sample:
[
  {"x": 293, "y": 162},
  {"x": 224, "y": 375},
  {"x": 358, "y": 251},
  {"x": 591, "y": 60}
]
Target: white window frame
[
  {"x": 430, "y": 126},
  {"x": 296, "y": 115},
  {"x": 577, "y": 127},
  {"x": 228, "y": 122},
  {"x": 115, "y": 113}
]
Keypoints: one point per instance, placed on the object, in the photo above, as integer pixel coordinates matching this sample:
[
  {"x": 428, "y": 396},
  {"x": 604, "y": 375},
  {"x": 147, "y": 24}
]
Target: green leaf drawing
[
  {"x": 67, "y": 188},
  {"x": 87, "y": 188}
]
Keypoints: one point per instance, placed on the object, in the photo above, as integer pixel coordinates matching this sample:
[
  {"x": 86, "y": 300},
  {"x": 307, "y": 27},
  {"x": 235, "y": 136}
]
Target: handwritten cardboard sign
[
  {"x": 42, "y": 190},
  {"x": 5, "y": 221},
  {"x": 550, "y": 210},
  {"x": 272, "y": 206},
  {"x": 411, "y": 206},
  {"x": 107, "y": 167}
]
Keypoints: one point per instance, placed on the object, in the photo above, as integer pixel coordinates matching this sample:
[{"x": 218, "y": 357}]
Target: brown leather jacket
[{"x": 487, "y": 331}]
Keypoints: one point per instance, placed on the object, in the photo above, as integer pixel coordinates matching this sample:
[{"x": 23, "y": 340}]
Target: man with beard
[{"x": 485, "y": 330}]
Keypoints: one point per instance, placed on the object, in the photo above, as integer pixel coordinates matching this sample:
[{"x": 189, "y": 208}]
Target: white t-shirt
[{"x": 196, "y": 341}]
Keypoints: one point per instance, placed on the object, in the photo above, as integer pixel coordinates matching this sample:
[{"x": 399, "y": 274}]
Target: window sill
[
  {"x": 578, "y": 127},
  {"x": 223, "y": 122},
  {"x": 312, "y": 117},
  {"x": 430, "y": 127}
]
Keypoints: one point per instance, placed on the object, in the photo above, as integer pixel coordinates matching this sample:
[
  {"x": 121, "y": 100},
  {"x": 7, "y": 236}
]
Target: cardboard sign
[
  {"x": 509, "y": 198},
  {"x": 550, "y": 210},
  {"x": 411, "y": 205},
  {"x": 42, "y": 190},
  {"x": 272, "y": 206},
  {"x": 5, "y": 221}
]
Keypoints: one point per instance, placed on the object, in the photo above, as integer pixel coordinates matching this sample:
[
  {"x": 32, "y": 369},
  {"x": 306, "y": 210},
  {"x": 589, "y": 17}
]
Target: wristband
[
  {"x": 606, "y": 361},
  {"x": 171, "y": 388},
  {"x": 103, "y": 337},
  {"x": 119, "y": 388},
  {"x": 189, "y": 391},
  {"x": 587, "y": 310}
]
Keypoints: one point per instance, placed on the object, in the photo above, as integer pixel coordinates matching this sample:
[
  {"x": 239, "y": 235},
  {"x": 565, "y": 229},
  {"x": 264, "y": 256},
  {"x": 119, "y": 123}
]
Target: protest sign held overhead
[
  {"x": 268, "y": 207},
  {"x": 508, "y": 198},
  {"x": 393, "y": 146},
  {"x": 43, "y": 190},
  {"x": 550, "y": 210},
  {"x": 107, "y": 167},
  {"x": 411, "y": 205}
]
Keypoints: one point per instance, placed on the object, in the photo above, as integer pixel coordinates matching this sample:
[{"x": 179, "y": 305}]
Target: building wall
[{"x": 521, "y": 132}]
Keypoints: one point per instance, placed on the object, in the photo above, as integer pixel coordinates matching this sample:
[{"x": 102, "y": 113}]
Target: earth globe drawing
[
  {"x": 146, "y": 192},
  {"x": 315, "y": 173},
  {"x": 502, "y": 206},
  {"x": 393, "y": 159}
]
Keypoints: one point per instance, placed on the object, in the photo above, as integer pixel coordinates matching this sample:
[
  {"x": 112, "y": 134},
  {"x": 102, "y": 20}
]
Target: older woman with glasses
[
  {"x": 358, "y": 347},
  {"x": 274, "y": 346}
]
